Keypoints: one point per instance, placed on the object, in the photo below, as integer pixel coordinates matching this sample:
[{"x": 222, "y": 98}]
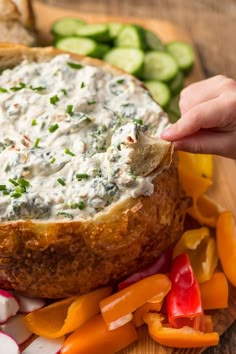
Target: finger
[
  {"x": 218, "y": 114},
  {"x": 202, "y": 91},
  {"x": 207, "y": 142}
]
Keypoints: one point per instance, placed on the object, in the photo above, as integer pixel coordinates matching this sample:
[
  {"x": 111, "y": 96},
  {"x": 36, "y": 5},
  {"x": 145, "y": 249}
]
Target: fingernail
[{"x": 166, "y": 134}]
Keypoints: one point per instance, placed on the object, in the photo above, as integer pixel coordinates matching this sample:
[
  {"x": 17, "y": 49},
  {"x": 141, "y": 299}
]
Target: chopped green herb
[
  {"x": 82, "y": 85},
  {"x": 69, "y": 109},
  {"x": 81, "y": 176},
  {"x": 14, "y": 182},
  {"x": 121, "y": 81},
  {"x": 53, "y": 128},
  {"x": 68, "y": 152},
  {"x": 34, "y": 122},
  {"x": 81, "y": 205},
  {"x": 61, "y": 181},
  {"x": 91, "y": 102},
  {"x": 138, "y": 121},
  {"x": 38, "y": 89},
  {"x": 88, "y": 120},
  {"x": 16, "y": 195},
  {"x": 43, "y": 125},
  {"x": 36, "y": 144},
  {"x": 2, "y": 69},
  {"x": 19, "y": 87},
  {"x": 23, "y": 182},
  {"x": 3, "y": 187},
  {"x": 134, "y": 177},
  {"x": 75, "y": 65},
  {"x": 7, "y": 168},
  {"x": 68, "y": 215},
  {"x": 54, "y": 99},
  {"x": 52, "y": 160},
  {"x": 64, "y": 92},
  {"x": 3, "y": 90},
  {"x": 6, "y": 192}
]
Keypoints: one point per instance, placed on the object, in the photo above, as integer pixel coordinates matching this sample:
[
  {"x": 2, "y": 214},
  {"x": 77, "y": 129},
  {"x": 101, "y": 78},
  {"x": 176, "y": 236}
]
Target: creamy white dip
[{"x": 57, "y": 120}]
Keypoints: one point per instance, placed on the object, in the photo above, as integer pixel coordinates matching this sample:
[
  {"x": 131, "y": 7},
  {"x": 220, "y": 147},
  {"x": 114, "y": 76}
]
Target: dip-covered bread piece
[{"x": 88, "y": 193}]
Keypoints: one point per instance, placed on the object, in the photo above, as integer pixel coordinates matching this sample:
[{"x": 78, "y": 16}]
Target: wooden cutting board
[{"x": 223, "y": 189}]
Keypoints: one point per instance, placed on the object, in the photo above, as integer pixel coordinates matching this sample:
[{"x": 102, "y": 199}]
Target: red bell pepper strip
[
  {"x": 161, "y": 265},
  {"x": 184, "y": 298}
]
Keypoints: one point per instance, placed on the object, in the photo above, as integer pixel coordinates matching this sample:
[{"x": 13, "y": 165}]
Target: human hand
[{"x": 208, "y": 121}]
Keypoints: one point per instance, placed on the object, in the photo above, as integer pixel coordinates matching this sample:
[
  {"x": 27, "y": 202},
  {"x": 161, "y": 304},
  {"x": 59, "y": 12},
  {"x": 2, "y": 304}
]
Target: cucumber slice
[
  {"x": 114, "y": 29},
  {"x": 173, "y": 109},
  {"x": 128, "y": 59},
  {"x": 159, "y": 91},
  {"x": 84, "y": 46},
  {"x": 183, "y": 54},
  {"x": 132, "y": 36},
  {"x": 177, "y": 83},
  {"x": 98, "y": 32},
  {"x": 159, "y": 66},
  {"x": 153, "y": 41},
  {"x": 66, "y": 26}
]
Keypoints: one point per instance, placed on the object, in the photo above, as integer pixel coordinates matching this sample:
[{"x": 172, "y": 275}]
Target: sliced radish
[
  {"x": 43, "y": 345},
  {"x": 9, "y": 305},
  {"x": 8, "y": 345},
  {"x": 28, "y": 304},
  {"x": 16, "y": 328}
]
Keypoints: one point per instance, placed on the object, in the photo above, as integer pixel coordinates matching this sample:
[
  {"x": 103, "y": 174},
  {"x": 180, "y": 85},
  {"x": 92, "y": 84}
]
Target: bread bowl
[{"x": 43, "y": 251}]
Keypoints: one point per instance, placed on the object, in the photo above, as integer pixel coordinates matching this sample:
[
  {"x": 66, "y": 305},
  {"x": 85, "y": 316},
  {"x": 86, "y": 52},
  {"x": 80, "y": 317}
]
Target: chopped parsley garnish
[
  {"x": 43, "y": 125},
  {"x": 88, "y": 120},
  {"x": 81, "y": 176},
  {"x": 36, "y": 144},
  {"x": 61, "y": 181},
  {"x": 82, "y": 85},
  {"x": 14, "y": 182},
  {"x": 134, "y": 177},
  {"x": 54, "y": 99},
  {"x": 91, "y": 102},
  {"x": 121, "y": 81},
  {"x": 34, "y": 122},
  {"x": 75, "y": 65},
  {"x": 68, "y": 215},
  {"x": 69, "y": 109},
  {"x": 38, "y": 88},
  {"x": 23, "y": 182},
  {"x": 52, "y": 160},
  {"x": 81, "y": 205},
  {"x": 3, "y": 187},
  {"x": 3, "y": 90},
  {"x": 19, "y": 87},
  {"x": 64, "y": 92},
  {"x": 16, "y": 194},
  {"x": 53, "y": 128},
  {"x": 138, "y": 121},
  {"x": 68, "y": 152}
]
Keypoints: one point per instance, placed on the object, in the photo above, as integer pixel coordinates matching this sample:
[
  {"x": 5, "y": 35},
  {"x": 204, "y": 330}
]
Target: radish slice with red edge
[
  {"x": 43, "y": 345},
  {"x": 16, "y": 328},
  {"x": 28, "y": 304},
  {"x": 8, "y": 345},
  {"x": 9, "y": 305}
]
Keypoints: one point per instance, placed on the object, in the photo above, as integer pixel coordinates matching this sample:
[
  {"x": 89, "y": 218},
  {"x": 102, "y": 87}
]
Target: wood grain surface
[{"x": 210, "y": 41}]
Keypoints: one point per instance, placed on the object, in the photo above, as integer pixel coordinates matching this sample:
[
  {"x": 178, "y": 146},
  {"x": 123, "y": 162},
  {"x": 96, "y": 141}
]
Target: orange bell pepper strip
[
  {"x": 117, "y": 308},
  {"x": 65, "y": 316},
  {"x": 94, "y": 337},
  {"x": 215, "y": 292},
  {"x": 148, "y": 307},
  {"x": 185, "y": 337},
  {"x": 205, "y": 211},
  {"x": 201, "y": 250},
  {"x": 226, "y": 244}
]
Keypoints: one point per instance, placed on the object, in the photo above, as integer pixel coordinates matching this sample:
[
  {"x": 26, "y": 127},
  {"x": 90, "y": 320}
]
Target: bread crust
[{"x": 58, "y": 259}]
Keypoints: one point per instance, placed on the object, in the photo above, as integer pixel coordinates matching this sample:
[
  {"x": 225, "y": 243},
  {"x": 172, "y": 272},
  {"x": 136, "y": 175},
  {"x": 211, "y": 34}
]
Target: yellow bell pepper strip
[
  {"x": 205, "y": 211},
  {"x": 185, "y": 337},
  {"x": 121, "y": 304},
  {"x": 215, "y": 292},
  {"x": 94, "y": 338},
  {"x": 201, "y": 250},
  {"x": 65, "y": 316},
  {"x": 161, "y": 265},
  {"x": 148, "y": 307},
  {"x": 226, "y": 244},
  {"x": 184, "y": 298}
]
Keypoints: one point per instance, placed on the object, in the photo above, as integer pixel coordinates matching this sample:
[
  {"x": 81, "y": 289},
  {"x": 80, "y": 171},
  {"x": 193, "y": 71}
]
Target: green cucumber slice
[
  {"x": 98, "y": 32},
  {"x": 115, "y": 29},
  {"x": 153, "y": 41},
  {"x": 159, "y": 91},
  {"x": 84, "y": 46},
  {"x": 128, "y": 59},
  {"x": 66, "y": 26},
  {"x": 177, "y": 83},
  {"x": 159, "y": 66},
  {"x": 183, "y": 54},
  {"x": 131, "y": 36},
  {"x": 173, "y": 110}
]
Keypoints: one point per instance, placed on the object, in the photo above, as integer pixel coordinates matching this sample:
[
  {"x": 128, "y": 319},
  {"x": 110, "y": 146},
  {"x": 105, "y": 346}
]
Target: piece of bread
[
  {"x": 17, "y": 22},
  {"x": 60, "y": 258}
]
